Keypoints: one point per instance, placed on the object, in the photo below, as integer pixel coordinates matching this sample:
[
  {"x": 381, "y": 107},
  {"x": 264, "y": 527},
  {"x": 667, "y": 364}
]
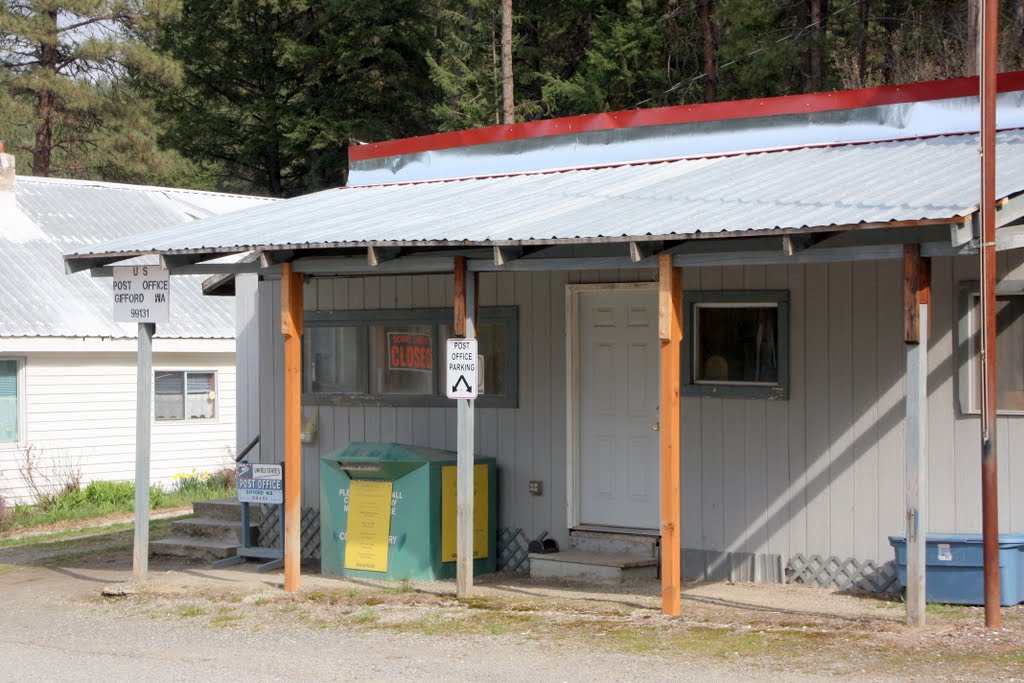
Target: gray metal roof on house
[
  {"x": 46, "y": 217},
  {"x": 813, "y": 187}
]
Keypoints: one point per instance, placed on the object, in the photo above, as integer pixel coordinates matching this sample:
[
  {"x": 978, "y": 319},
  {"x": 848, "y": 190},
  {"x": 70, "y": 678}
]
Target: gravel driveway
[{"x": 191, "y": 622}]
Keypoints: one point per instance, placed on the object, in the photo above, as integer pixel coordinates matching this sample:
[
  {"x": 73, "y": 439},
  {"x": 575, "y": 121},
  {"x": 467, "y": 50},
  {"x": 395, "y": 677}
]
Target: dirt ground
[{"x": 727, "y": 631}]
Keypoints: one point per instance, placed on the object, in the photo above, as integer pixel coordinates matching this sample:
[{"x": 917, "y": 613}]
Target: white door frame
[{"x": 572, "y": 384}]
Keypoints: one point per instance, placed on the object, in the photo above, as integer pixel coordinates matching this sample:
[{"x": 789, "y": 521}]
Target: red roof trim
[{"x": 715, "y": 111}]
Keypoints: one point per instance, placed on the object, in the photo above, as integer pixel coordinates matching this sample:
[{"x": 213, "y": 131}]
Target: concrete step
[
  {"x": 625, "y": 542},
  {"x": 593, "y": 566},
  {"x": 214, "y": 530},
  {"x": 226, "y": 509},
  {"x": 193, "y": 548}
]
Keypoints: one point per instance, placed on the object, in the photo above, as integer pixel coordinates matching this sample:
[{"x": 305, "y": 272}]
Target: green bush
[{"x": 118, "y": 493}]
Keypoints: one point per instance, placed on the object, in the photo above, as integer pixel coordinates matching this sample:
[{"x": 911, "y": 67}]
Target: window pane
[
  {"x": 1009, "y": 352},
  {"x": 169, "y": 390},
  {"x": 201, "y": 397},
  {"x": 494, "y": 357},
  {"x": 737, "y": 344},
  {"x": 332, "y": 360},
  {"x": 8, "y": 400},
  {"x": 402, "y": 359}
]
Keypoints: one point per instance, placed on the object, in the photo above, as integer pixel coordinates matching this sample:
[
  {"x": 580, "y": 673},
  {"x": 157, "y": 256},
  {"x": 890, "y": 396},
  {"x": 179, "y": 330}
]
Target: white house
[{"x": 67, "y": 371}]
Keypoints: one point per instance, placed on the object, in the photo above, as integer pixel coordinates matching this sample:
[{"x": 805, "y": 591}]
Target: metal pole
[
  {"x": 464, "y": 465},
  {"x": 143, "y": 409},
  {"x": 989, "y": 472}
]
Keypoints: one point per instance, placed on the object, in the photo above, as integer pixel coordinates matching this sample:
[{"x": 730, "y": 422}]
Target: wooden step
[
  {"x": 214, "y": 530},
  {"x": 227, "y": 509},
  {"x": 593, "y": 566},
  {"x": 193, "y": 548}
]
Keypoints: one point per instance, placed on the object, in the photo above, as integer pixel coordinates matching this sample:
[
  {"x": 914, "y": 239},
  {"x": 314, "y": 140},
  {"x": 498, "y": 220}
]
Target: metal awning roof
[
  {"x": 829, "y": 187},
  {"x": 45, "y": 217}
]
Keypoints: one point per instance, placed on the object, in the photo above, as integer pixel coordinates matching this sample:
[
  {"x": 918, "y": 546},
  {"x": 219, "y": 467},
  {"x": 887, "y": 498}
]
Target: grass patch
[
  {"x": 403, "y": 586},
  {"x": 224, "y": 617},
  {"x": 367, "y": 616},
  {"x": 439, "y": 623},
  {"x": 948, "y": 611},
  {"x": 103, "y": 498},
  {"x": 189, "y": 611},
  {"x": 85, "y": 533}
]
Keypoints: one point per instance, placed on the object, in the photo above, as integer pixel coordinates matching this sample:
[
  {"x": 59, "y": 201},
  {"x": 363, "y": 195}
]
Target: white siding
[
  {"x": 819, "y": 473},
  {"x": 80, "y": 415}
]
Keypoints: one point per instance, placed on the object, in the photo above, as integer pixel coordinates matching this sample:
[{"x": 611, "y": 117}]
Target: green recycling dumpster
[{"x": 388, "y": 511}]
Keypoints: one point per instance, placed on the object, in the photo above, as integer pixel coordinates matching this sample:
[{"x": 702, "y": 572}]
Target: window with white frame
[
  {"x": 395, "y": 357},
  {"x": 737, "y": 345},
  {"x": 10, "y": 400},
  {"x": 185, "y": 395},
  {"x": 1009, "y": 348}
]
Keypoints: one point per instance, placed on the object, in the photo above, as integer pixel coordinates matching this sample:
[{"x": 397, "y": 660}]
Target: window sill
[
  {"x": 399, "y": 401},
  {"x": 754, "y": 391}
]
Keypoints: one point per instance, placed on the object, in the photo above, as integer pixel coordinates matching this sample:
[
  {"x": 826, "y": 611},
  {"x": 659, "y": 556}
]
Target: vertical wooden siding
[{"x": 820, "y": 473}]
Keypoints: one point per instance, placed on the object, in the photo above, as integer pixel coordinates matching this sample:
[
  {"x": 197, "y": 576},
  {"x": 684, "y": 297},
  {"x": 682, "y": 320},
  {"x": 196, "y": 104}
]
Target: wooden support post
[
  {"x": 465, "y": 320},
  {"x": 670, "y": 332},
  {"x": 916, "y": 300},
  {"x": 291, "y": 328},
  {"x": 143, "y": 412}
]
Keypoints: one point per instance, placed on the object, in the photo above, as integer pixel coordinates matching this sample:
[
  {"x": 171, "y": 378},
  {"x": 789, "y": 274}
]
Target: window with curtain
[
  {"x": 184, "y": 395},
  {"x": 738, "y": 344},
  {"x": 10, "y": 406}
]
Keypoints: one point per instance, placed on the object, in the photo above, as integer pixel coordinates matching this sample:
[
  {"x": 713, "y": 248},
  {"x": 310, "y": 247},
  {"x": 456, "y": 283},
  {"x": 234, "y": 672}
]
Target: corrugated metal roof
[
  {"x": 809, "y": 187},
  {"x": 46, "y": 217},
  {"x": 806, "y": 123}
]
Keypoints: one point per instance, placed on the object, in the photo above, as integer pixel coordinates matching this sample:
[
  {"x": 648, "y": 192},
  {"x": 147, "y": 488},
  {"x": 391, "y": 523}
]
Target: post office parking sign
[
  {"x": 259, "y": 483},
  {"x": 142, "y": 294},
  {"x": 461, "y": 362}
]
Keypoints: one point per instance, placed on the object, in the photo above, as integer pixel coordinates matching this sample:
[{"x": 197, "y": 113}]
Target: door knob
[{"x": 656, "y": 426}]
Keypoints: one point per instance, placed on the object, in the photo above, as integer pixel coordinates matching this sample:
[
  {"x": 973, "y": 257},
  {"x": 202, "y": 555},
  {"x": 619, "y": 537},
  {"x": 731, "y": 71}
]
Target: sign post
[
  {"x": 142, "y": 295},
  {"x": 461, "y": 385}
]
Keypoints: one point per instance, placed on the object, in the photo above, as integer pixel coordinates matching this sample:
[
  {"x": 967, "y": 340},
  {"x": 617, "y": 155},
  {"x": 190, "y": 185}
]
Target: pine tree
[
  {"x": 274, "y": 90},
  {"x": 55, "y": 52}
]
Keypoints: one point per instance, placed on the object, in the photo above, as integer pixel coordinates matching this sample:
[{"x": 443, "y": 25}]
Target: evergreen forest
[{"x": 264, "y": 96}]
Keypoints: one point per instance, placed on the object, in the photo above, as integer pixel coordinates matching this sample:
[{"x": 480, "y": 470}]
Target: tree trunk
[
  {"x": 819, "y": 18},
  {"x": 863, "y": 12},
  {"x": 710, "y": 41},
  {"x": 508, "y": 107},
  {"x": 46, "y": 104},
  {"x": 971, "y": 56},
  {"x": 44, "y": 134}
]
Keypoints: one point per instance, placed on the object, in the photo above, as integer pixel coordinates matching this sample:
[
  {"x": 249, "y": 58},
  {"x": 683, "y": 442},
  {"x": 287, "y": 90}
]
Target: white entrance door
[{"x": 618, "y": 408}]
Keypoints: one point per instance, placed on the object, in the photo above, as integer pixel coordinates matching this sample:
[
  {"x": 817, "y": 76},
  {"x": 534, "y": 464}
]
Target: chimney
[{"x": 6, "y": 170}]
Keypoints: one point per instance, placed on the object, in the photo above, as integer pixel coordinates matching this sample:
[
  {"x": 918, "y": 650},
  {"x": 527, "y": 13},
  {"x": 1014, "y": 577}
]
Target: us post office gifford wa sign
[
  {"x": 142, "y": 294},
  {"x": 461, "y": 361}
]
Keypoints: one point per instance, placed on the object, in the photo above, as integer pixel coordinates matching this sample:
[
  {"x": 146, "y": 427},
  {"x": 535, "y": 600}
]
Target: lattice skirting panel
[
  {"x": 270, "y": 529},
  {"x": 512, "y": 551},
  {"x": 844, "y": 574}
]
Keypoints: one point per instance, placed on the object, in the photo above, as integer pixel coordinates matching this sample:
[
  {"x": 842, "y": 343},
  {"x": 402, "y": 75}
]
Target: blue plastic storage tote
[{"x": 954, "y": 568}]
